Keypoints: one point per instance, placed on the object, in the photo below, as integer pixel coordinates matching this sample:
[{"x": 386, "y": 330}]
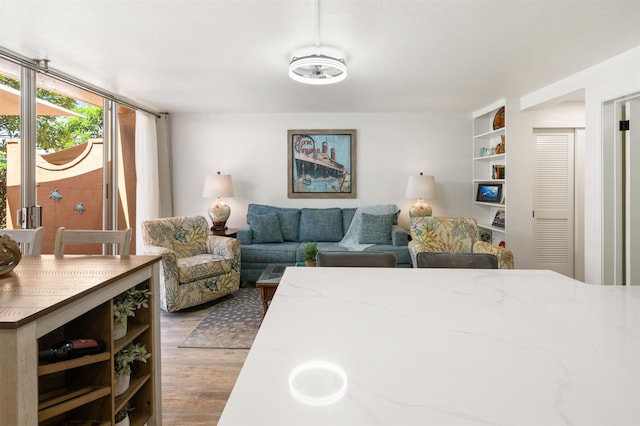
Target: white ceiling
[{"x": 402, "y": 55}]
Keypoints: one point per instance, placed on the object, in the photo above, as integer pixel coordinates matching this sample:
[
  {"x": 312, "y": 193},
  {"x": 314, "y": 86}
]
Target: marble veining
[{"x": 443, "y": 347}]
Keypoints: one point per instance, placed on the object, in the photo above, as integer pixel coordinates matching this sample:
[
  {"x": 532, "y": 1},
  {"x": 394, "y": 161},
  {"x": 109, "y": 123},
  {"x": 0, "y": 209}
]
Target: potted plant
[
  {"x": 122, "y": 416},
  {"x": 310, "y": 253},
  {"x": 123, "y": 360},
  {"x": 124, "y": 306}
]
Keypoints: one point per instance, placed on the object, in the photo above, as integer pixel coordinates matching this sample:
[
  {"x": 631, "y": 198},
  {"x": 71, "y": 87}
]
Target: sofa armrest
[
  {"x": 244, "y": 235},
  {"x": 226, "y": 247},
  {"x": 399, "y": 236},
  {"x": 505, "y": 257}
]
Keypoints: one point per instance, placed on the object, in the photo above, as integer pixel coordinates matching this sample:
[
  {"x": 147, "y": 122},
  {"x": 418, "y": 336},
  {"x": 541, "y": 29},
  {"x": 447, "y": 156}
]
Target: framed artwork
[
  {"x": 321, "y": 163},
  {"x": 489, "y": 193}
]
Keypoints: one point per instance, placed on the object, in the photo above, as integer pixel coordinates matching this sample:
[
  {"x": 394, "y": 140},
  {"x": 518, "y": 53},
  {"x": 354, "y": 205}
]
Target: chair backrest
[
  {"x": 369, "y": 259},
  {"x": 30, "y": 239},
  {"x": 456, "y": 260},
  {"x": 72, "y": 236},
  {"x": 186, "y": 235},
  {"x": 445, "y": 234}
]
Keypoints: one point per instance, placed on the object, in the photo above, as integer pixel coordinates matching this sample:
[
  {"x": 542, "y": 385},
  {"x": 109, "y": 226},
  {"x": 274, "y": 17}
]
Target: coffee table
[{"x": 269, "y": 280}]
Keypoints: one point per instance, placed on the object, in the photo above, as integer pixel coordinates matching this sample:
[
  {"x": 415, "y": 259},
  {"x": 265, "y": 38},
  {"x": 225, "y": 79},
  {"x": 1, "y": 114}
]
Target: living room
[
  {"x": 405, "y": 124},
  {"x": 403, "y": 129}
]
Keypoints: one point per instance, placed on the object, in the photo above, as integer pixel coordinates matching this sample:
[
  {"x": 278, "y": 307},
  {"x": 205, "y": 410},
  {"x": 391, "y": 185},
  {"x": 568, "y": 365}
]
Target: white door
[{"x": 553, "y": 215}]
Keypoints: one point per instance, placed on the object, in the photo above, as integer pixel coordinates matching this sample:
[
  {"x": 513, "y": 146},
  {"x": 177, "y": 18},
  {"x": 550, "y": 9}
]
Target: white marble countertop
[{"x": 354, "y": 346}]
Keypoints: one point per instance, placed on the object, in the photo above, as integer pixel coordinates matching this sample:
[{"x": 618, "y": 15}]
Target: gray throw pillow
[
  {"x": 321, "y": 224},
  {"x": 265, "y": 228},
  {"x": 289, "y": 219},
  {"x": 376, "y": 229}
]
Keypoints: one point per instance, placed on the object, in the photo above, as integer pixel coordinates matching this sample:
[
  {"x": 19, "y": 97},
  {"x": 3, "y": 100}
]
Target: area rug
[{"x": 232, "y": 323}]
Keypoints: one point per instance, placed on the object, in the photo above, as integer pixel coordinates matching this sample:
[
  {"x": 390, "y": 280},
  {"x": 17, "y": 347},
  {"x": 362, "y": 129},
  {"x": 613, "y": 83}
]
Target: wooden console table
[{"x": 50, "y": 298}]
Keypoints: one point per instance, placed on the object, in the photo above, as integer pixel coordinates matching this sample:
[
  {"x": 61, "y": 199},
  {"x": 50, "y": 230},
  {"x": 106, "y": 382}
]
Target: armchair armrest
[
  {"x": 399, "y": 236},
  {"x": 505, "y": 256},
  {"x": 414, "y": 248},
  {"x": 226, "y": 247},
  {"x": 168, "y": 270}
]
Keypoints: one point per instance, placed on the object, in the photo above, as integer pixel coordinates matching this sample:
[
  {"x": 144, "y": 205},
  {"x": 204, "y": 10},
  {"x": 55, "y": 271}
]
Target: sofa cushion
[
  {"x": 289, "y": 224},
  {"x": 185, "y": 249},
  {"x": 376, "y": 228},
  {"x": 289, "y": 219},
  {"x": 266, "y": 228},
  {"x": 270, "y": 253},
  {"x": 321, "y": 224},
  {"x": 347, "y": 218},
  {"x": 202, "y": 266}
]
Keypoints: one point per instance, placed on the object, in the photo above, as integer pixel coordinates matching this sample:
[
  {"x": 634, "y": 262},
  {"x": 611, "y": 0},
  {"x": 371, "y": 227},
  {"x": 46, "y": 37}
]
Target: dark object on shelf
[
  {"x": 490, "y": 193},
  {"x": 499, "y": 219},
  {"x": 498, "y": 171},
  {"x": 69, "y": 349},
  {"x": 485, "y": 235},
  {"x": 498, "y": 120}
]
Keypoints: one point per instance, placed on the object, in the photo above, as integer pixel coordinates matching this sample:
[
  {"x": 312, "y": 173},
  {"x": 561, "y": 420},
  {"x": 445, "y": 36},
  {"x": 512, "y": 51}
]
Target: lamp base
[
  {"x": 420, "y": 209},
  {"x": 219, "y": 212},
  {"x": 219, "y": 228}
]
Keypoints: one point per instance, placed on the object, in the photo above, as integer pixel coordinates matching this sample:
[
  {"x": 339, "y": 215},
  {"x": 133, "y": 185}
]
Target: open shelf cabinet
[
  {"x": 490, "y": 171},
  {"x": 79, "y": 391}
]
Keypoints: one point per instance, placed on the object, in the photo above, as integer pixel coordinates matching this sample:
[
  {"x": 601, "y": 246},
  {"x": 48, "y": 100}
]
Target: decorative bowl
[{"x": 10, "y": 254}]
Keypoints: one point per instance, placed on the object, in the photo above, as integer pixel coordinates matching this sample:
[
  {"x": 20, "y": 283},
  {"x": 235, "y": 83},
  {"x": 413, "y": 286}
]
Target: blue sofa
[{"x": 279, "y": 235}]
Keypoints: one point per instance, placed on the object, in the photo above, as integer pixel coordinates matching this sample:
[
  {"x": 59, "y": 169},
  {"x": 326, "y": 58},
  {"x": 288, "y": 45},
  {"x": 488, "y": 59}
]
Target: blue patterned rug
[{"x": 232, "y": 323}]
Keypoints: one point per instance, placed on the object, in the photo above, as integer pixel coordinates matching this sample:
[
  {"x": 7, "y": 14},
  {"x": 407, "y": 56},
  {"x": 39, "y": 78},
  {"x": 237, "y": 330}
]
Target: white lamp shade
[
  {"x": 217, "y": 186},
  {"x": 421, "y": 186}
]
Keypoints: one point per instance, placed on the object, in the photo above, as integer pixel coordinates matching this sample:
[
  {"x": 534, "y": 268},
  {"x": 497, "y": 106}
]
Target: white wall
[
  {"x": 521, "y": 152},
  {"x": 253, "y": 149},
  {"x": 607, "y": 80}
]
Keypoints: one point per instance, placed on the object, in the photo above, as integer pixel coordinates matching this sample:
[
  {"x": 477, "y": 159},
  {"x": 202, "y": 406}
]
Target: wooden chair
[
  {"x": 359, "y": 259},
  {"x": 71, "y": 236},
  {"x": 457, "y": 260},
  {"x": 30, "y": 240}
]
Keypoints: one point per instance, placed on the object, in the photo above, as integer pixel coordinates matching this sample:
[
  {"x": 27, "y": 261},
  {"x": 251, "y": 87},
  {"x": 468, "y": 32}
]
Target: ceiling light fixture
[{"x": 317, "y": 68}]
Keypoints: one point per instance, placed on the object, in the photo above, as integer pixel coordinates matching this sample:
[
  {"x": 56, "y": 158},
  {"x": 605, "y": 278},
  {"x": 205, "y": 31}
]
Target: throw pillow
[
  {"x": 376, "y": 229},
  {"x": 265, "y": 228},
  {"x": 321, "y": 224},
  {"x": 289, "y": 219}
]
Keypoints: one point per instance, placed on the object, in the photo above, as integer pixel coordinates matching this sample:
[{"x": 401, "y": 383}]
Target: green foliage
[
  {"x": 127, "y": 356},
  {"x": 124, "y": 411},
  {"x": 311, "y": 251},
  {"x": 54, "y": 132},
  {"x": 125, "y": 304}
]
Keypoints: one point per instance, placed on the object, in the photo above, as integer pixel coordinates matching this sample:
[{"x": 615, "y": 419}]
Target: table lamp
[
  {"x": 218, "y": 186},
  {"x": 423, "y": 188}
]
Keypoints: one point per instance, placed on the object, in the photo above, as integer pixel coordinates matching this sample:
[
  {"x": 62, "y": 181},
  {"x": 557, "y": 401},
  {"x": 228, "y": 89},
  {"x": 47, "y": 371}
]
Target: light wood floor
[{"x": 196, "y": 383}]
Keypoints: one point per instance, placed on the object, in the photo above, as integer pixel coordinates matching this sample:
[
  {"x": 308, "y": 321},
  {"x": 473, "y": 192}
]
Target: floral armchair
[
  {"x": 452, "y": 235},
  {"x": 196, "y": 266}
]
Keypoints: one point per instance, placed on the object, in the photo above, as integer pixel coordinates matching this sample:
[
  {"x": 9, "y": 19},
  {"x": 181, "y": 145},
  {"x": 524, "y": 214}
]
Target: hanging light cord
[{"x": 316, "y": 14}]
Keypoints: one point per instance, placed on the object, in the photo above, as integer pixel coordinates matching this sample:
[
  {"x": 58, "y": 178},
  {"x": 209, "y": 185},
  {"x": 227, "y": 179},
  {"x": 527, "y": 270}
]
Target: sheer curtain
[{"x": 152, "y": 156}]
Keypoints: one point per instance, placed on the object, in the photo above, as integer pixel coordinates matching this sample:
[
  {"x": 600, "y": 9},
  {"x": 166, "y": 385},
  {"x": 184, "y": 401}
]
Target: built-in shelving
[{"x": 490, "y": 168}]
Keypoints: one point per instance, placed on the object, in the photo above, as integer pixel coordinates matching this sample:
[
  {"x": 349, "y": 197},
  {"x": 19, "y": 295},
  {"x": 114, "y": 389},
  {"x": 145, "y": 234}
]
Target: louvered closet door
[{"x": 554, "y": 201}]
